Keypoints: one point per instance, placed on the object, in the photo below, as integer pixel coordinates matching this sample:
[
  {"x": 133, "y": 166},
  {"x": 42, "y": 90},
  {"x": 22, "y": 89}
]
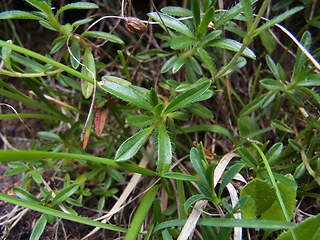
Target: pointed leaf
[
  {"x": 195, "y": 160},
  {"x": 247, "y": 158},
  {"x": 176, "y": 11},
  {"x": 76, "y": 54},
  {"x": 23, "y": 194},
  {"x": 195, "y": 6},
  {"x": 281, "y": 126},
  {"x": 188, "y": 96},
  {"x": 207, "y": 18},
  {"x": 90, "y": 71},
  {"x": 39, "y": 228},
  {"x": 248, "y": 13},
  {"x": 274, "y": 152},
  {"x": 140, "y": 121},
  {"x": 181, "y": 176},
  {"x": 100, "y": 118},
  {"x": 65, "y": 193},
  {"x": 232, "y": 171},
  {"x": 125, "y": 93},
  {"x": 171, "y": 22},
  {"x": 194, "y": 199},
  {"x": 277, "y": 19},
  {"x": 272, "y": 84},
  {"x": 164, "y": 150},
  {"x": 181, "y": 42},
  {"x": 17, "y": 14},
  {"x": 77, "y": 5},
  {"x": 132, "y": 145},
  {"x": 232, "y": 45},
  {"x": 103, "y": 35}
]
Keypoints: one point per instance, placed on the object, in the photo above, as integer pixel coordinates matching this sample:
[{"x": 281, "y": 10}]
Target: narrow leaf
[
  {"x": 193, "y": 199},
  {"x": 125, "y": 93},
  {"x": 272, "y": 84},
  {"x": 274, "y": 152},
  {"x": 77, "y": 5},
  {"x": 23, "y": 194},
  {"x": 187, "y": 97},
  {"x": 232, "y": 171},
  {"x": 248, "y": 13},
  {"x": 89, "y": 70},
  {"x": 171, "y": 22},
  {"x": 17, "y": 14},
  {"x": 181, "y": 42},
  {"x": 39, "y": 228},
  {"x": 103, "y": 35},
  {"x": 100, "y": 118},
  {"x": 141, "y": 213},
  {"x": 281, "y": 126},
  {"x": 65, "y": 193},
  {"x": 207, "y": 18},
  {"x": 164, "y": 150},
  {"x": 277, "y": 19},
  {"x": 181, "y": 176},
  {"x": 140, "y": 121},
  {"x": 232, "y": 45},
  {"x": 132, "y": 145},
  {"x": 195, "y": 6}
]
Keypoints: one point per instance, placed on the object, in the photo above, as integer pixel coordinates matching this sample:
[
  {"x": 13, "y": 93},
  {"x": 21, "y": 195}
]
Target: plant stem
[
  {"x": 46, "y": 60},
  {"x": 246, "y": 41}
]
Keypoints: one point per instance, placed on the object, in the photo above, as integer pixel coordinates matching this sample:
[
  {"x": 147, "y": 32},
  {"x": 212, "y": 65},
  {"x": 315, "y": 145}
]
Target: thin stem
[{"x": 275, "y": 185}]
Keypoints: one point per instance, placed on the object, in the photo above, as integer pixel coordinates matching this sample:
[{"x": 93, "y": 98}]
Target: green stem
[
  {"x": 246, "y": 41},
  {"x": 275, "y": 185},
  {"x": 46, "y": 60}
]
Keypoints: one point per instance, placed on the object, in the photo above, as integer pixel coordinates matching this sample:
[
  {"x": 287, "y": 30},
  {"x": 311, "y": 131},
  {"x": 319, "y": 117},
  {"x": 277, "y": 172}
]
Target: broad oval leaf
[
  {"x": 103, "y": 35},
  {"x": 232, "y": 45},
  {"x": 164, "y": 150},
  {"x": 132, "y": 145},
  {"x": 171, "y": 22},
  {"x": 65, "y": 193},
  {"x": 188, "y": 96},
  {"x": 17, "y": 14},
  {"x": 125, "y": 93}
]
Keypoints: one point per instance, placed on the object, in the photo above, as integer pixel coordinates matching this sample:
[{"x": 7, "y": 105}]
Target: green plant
[{"x": 106, "y": 118}]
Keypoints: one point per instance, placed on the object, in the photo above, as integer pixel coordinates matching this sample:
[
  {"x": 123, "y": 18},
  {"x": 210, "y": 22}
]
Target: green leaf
[
  {"x": 196, "y": 162},
  {"x": 272, "y": 84},
  {"x": 193, "y": 199},
  {"x": 273, "y": 67},
  {"x": 132, "y": 145},
  {"x": 125, "y": 93},
  {"x": 36, "y": 176},
  {"x": 164, "y": 150},
  {"x": 262, "y": 196},
  {"x": 177, "y": 11},
  {"x": 200, "y": 110},
  {"x": 64, "y": 194},
  {"x": 195, "y": 6},
  {"x": 181, "y": 42},
  {"x": 23, "y": 194},
  {"x": 247, "y": 158},
  {"x": 172, "y": 23},
  {"x": 39, "y": 228},
  {"x": 76, "y": 54},
  {"x": 103, "y": 35},
  {"x": 207, "y": 60},
  {"x": 295, "y": 145},
  {"x": 81, "y": 22},
  {"x": 140, "y": 121},
  {"x": 187, "y": 97},
  {"x": 6, "y": 56},
  {"x": 228, "y": 15},
  {"x": 181, "y": 176},
  {"x": 141, "y": 213},
  {"x": 268, "y": 41},
  {"x": 277, "y": 19},
  {"x": 77, "y": 5},
  {"x": 232, "y": 45},
  {"x": 307, "y": 229},
  {"x": 274, "y": 152},
  {"x": 179, "y": 62},
  {"x": 267, "y": 99},
  {"x": 16, "y": 170},
  {"x": 232, "y": 171},
  {"x": 288, "y": 195},
  {"x": 207, "y": 18},
  {"x": 153, "y": 97},
  {"x": 248, "y": 12},
  {"x": 300, "y": 60},
  {"x": 169, "y": 64},
  {"x": 206, "y": 128},
  {"x": 281, "y": 126},
  {"x": 48, "y": 136},
  {"x": 89, "y": 69},
  {"x": 17, "y": 14}
]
